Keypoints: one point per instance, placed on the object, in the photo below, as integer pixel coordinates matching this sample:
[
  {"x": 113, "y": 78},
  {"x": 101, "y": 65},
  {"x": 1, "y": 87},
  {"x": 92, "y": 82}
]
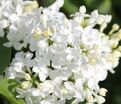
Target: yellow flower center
[{"x": 36, "y": 33}]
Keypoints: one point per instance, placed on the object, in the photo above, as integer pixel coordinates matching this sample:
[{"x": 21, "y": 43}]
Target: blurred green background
[{"x": 113, "y": 7}]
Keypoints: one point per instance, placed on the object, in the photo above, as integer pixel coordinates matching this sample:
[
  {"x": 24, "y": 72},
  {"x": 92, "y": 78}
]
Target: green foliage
[
  {"x": 8, "y": 90},
  {"x": 45, "y": 2},
  {"x": 104, "y": 6},
  {"x": 69, "y": 7},
  {"x": 5, "y": 55}
]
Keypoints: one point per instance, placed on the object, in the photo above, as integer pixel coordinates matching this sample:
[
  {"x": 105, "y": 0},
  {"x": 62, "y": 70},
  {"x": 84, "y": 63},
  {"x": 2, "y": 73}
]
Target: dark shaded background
[{"x": 113, "y": 7}]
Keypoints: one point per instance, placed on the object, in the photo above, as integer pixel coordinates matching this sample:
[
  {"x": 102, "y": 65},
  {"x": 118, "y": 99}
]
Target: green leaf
[
  {"x": 116, "y": 4},
  {"x": 69, "y": 7},
  {"x": 5, "y": 55},
  {"x": 104, "y": 6},
  {"x": 8, "y": 90},
  {"x": 69, "y": 101},
  {"x": 45, "y": 3}
]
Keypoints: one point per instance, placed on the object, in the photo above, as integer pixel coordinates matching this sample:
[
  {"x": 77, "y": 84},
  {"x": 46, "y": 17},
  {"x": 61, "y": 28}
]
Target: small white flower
[
  {"x": 69, "y": 85},
  {"x": 4, "y": 23},
  {"x": 82, "y": 10},
  {"x": 42, "y": 72}
]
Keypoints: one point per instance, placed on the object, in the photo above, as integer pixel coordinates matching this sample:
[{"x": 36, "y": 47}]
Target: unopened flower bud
[
  {"x": 27, "y": 77},
  {"x": 100, "y": 100},
  {"x": 25, "y": 84},
  {"x": 119, "y": 34},
  {"x": 89, "y": 98},
  {"x": 103, "y": 91},
  {"x": 115, "y": 27}
]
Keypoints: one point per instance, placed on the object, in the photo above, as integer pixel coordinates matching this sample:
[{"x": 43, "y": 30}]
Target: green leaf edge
[{"x": 4, "y": 91}]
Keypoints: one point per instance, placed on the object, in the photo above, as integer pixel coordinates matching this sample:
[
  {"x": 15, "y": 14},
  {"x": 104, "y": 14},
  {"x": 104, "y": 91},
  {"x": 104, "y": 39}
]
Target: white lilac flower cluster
[
  {"x": 59, "y": 59},
  {"x": 11, "y": 10}
]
